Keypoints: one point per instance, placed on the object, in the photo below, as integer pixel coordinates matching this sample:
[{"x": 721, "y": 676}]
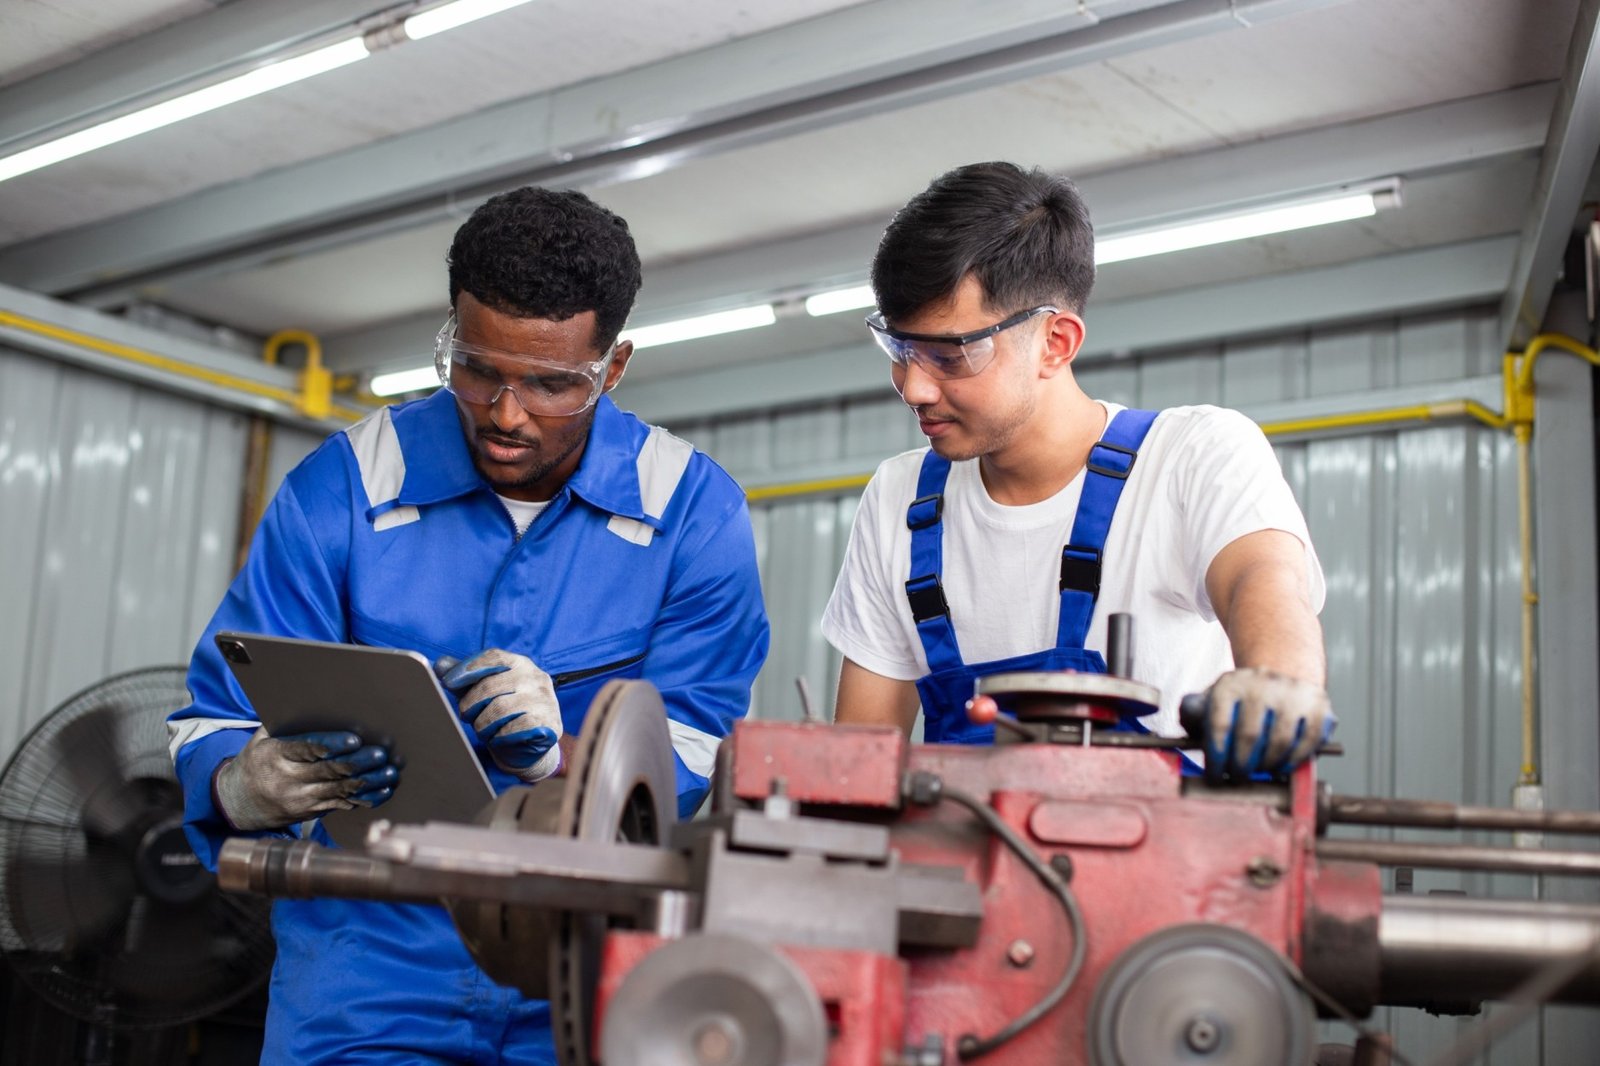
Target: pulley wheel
[
  {"x": 1067, "y": 696},
  {"x": 711, "y": 999},
  {"x": 1200, "y": 995}
]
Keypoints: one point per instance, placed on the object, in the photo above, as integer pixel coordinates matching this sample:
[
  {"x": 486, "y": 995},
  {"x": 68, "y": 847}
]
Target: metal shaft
[
  {"x": 1460, "y": 857},
  {"x": 1422, "y": 814},
  {"x": 1448, "y": 949}
]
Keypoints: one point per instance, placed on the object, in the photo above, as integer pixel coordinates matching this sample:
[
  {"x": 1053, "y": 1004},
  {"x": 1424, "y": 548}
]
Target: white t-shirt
[
  {"x": 1205, "y": 476},
  {"x": 523, "y": 512}
]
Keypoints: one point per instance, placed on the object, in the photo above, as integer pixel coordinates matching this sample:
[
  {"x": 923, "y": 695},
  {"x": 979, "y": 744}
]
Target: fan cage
[{"x": 87, "y": 792}]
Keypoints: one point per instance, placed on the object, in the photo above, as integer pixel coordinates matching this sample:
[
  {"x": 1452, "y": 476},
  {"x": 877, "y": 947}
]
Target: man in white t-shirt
[{"x": 1037, "y": 511}]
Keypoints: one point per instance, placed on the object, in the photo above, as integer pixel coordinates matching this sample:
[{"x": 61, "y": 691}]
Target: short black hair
[
  {"x": 1024, "y": 234},
  {"x": 547, "y": 253}
]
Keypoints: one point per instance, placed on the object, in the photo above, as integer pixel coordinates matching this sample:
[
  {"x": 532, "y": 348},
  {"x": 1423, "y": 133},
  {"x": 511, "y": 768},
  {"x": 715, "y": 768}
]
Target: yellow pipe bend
[
  {"x": 167, "y": 364},
  {"x": 315, "y": 399}
]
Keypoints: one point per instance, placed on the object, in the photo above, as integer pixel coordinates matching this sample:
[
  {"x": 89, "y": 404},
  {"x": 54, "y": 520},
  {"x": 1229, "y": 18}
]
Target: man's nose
[
  {"x": 506, "y": 409},
  {"x": 917, "y": 387}
]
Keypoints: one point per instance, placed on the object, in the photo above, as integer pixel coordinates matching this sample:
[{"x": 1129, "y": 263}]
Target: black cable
[{"x": 927, "y": 788}]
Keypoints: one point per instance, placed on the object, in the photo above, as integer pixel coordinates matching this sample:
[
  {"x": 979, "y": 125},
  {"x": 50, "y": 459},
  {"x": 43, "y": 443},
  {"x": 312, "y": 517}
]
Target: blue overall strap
[
  {"x": 925, "y": 518},
  {"x": 1110, "y": 462}
]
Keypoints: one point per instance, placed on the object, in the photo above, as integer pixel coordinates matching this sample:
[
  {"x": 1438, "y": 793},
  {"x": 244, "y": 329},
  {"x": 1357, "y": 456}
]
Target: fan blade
[
  {"x": 64, "y": 895},
  {"x": 88, "y": 748}
]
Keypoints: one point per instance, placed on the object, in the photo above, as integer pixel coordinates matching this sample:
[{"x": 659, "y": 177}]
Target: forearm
[
  {"x": 866, "y": 698},
  {"x": 1271, "y": 624}
]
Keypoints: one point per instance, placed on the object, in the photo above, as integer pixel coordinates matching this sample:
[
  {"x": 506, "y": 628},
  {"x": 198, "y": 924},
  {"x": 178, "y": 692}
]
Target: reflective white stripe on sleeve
[
  {"x": 382, "y": 466},
  {"x": 661, "y": 463},
  {"x": 697, "y": 749},
  {"x": 185, "y": 730}
]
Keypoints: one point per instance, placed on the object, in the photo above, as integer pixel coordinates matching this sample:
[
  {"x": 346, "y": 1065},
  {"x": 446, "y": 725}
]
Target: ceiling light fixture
[
  {"x": 263, "y": 79},
  {"x": 682, "y": 329},
  {"x": 402, "y": 381},
  {"x": 685, "y": 329},
  {"x": 449, "y": 16},
  {"x": 1342, "y": 206},
  {"x": 833, "y": 301}
]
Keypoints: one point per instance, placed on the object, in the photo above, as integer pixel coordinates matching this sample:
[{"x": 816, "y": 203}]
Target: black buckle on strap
[
  {"x": 1121, "y": 474},
  {"x": 927, "y": 598},
  {"x": 925, "y": 511},
  {"x": 1081, "y": 571}
]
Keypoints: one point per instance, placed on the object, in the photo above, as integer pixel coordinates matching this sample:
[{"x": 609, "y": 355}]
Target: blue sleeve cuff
[{"x": 197, "y": 763}]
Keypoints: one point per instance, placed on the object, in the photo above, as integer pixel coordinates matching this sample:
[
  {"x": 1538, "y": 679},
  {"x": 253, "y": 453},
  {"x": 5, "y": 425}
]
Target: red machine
[{"x": 1062, "y": 897}]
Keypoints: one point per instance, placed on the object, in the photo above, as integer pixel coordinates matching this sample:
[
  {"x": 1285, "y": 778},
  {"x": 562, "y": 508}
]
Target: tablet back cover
[{"x": 385, "y": 696}]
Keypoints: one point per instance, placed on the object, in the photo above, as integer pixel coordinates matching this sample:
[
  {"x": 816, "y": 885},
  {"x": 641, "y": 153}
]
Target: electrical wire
[{"x": 970, "y": 1046}]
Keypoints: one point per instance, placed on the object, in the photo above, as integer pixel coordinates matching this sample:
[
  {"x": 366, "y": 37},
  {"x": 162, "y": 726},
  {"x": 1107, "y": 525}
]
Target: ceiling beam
[
  {"x": 858, "y": 61},
  {"x": 1476, "y": 131},
  {"x": 1564, "y": 170},
  {"x": 125, "y": 76},
  {"x": 1404, "y": 283}
]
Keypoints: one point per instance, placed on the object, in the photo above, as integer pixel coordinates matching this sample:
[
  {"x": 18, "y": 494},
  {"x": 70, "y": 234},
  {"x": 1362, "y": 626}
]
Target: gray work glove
[
  {"x": 511, "y": 704},
  {"x": 280, "y": 781},
  {"x": 1261, "y": 722}
]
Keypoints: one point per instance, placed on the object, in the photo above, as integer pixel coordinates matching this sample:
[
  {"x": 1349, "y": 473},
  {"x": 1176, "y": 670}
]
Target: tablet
[{"x": 383, "y": 695}]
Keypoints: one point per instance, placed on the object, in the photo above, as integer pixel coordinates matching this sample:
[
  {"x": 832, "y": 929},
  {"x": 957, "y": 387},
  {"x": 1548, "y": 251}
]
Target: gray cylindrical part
[
  {"x": 1449, "y": 949},
  {"x": 1119, "y": 645}
]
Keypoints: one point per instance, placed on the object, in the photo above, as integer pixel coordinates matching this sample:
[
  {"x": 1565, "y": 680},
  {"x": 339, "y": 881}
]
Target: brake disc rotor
[
  {"x": 621, "y": 788},
  {"x": 711, "y": 999},
  {"x": 1207, "y": 995}
]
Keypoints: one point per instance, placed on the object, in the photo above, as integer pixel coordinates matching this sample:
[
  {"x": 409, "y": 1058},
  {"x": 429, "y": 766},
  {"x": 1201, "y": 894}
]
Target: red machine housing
[{"x": 1141, "y": 855}]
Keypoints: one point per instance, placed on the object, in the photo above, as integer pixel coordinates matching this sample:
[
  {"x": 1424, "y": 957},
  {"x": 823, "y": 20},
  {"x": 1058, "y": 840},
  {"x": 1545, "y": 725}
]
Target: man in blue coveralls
[
  {"x": 1036, "y": 511},
  {"x": 533, "y": 540}
]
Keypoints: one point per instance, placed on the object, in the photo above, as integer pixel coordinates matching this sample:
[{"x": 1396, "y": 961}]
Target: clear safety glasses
[
  {"x": 946, "y": 355},
  {"x": 479, "y": 375}
]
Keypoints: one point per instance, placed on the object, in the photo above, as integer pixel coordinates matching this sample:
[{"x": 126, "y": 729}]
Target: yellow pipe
[
  {"x": 316, "y": 381},
  {"x": 1524, "y": 382},
  {"x": 1414, "y": 413},
  {"x": 1518, "y": 374},
  {"x": 1530, "y": 762},
  {"x": 166, "y": 364},
  {"x": 1422, "y": 412},
  {"x": 807, "y": 488}
]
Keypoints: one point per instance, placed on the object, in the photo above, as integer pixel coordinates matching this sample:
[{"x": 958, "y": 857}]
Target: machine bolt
[
  {"x": 1203, "y": 1035},
  {"x": 1263, "y": 872},
  {"x": 1020, "y": 953},
  {"x": 714, "y": 1045},
  {"x": 1062, "y": 865}
]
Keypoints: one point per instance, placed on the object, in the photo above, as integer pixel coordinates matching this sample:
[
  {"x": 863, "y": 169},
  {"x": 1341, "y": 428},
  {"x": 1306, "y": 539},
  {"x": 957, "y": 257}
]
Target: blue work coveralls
[{"x": 642, "y": 566}]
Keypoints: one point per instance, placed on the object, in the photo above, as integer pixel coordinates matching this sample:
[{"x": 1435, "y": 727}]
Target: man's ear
[
  {"x": 1064, "y": 333},
  {"x": 619, "y": 364}
]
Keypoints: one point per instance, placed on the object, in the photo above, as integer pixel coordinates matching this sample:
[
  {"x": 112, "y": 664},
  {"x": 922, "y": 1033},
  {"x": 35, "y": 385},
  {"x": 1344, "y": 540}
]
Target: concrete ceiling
[{"x": 758, "y": 149}]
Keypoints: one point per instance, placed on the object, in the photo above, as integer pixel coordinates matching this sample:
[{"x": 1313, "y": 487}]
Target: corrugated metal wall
[
  {"x": 118, "y": 521},
  {"x": 1416, "y": 529}
]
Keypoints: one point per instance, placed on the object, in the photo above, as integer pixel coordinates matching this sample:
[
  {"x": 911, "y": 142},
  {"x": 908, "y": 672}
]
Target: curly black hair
[
  {"x": 1024, "y": 234},
  {"x": 547, "y": 253}
]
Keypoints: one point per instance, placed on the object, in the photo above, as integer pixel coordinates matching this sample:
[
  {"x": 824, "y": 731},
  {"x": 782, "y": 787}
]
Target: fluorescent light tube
[
  {"x": 836, "y": 300},
  {"x": 685, "y": 329},
  {"x": 188, "y": 105},
  {"x": 1340, "y": 208},
  {"x": 393, "y": 384},
  {"x": 449, "y": 16}
]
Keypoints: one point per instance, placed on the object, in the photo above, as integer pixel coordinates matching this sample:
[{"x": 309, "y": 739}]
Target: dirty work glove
[
  {"x": 1261, "y": 722},
  {"x": 511, "y": 704},
  {"x": 279, "y": 781}
]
